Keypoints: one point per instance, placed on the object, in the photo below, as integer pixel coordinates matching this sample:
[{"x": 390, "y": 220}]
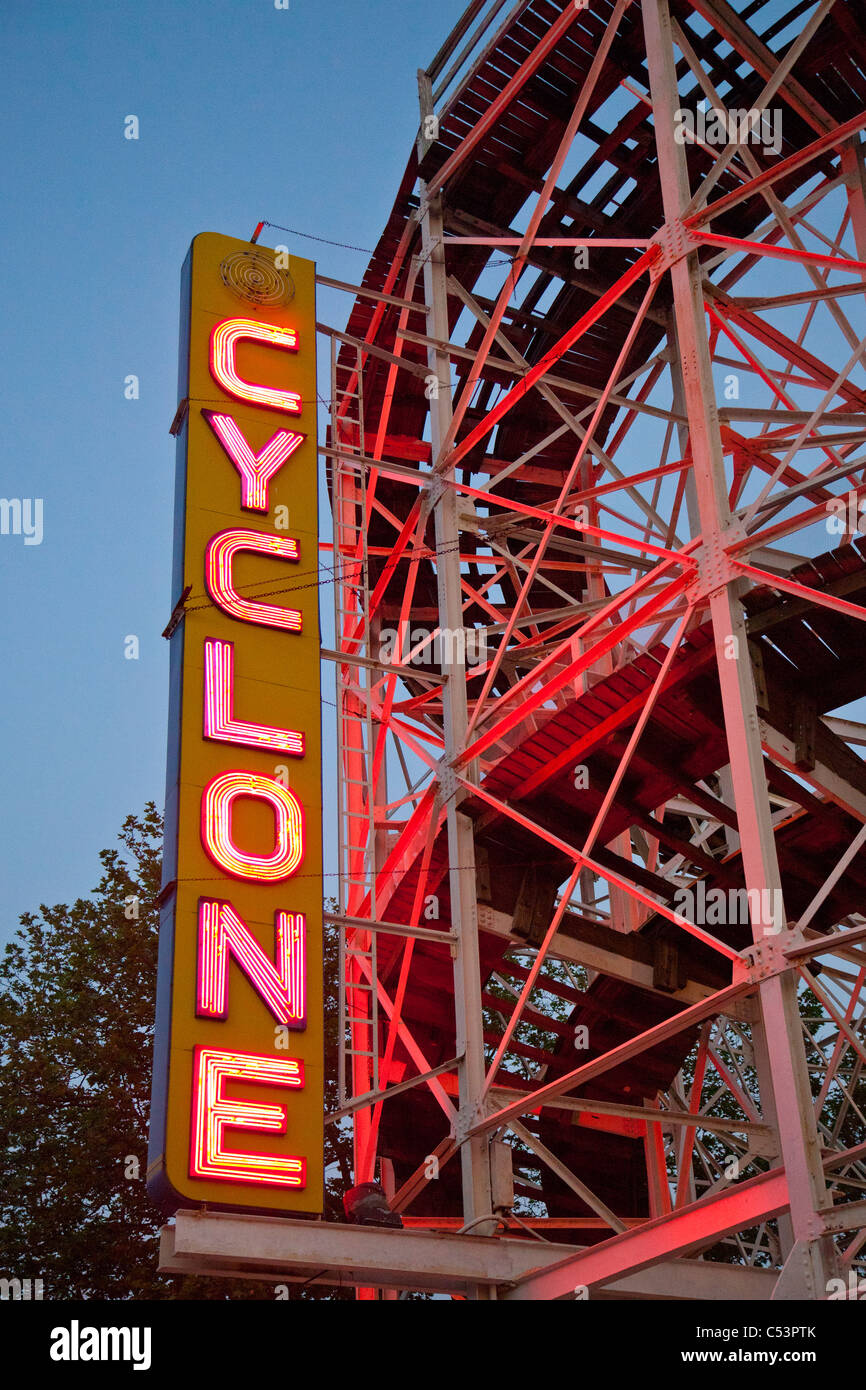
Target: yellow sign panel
[{"x": 238, "y": 1069}]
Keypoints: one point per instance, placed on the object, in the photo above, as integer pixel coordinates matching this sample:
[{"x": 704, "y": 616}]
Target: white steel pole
[{"x": 798, "y": 1134}]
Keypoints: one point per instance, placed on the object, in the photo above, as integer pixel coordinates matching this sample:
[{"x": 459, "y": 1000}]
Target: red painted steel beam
[
  {"x": 780, "y": 253},
  {"x": 789, "y": 586},
  {"x": 789, "y": 350},
  {"x": 567, "y": 341},
  {"x": 682, "y": 1022},
  {"x": 533, "y": 700},
  {"x": 510, "y": 504},
  {"x": 500, "y": 103},
  {"x": 834, "y": 137},
  {"x": 726, "y": 22},
  {"x": 607, "y": 874},
  {"x": 687, "y": 1230}
]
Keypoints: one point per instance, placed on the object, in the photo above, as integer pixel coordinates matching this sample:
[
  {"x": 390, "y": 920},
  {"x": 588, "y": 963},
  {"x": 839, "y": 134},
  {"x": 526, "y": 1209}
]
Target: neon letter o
[{"x": 217, "y": 804}]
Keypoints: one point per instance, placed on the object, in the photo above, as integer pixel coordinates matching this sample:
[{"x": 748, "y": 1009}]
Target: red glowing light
[
  {"x": 256, "y": 470},
  {"x": 218, "y": 561},
  {"x": 223, "y": 345},
  {"x": 213, "y": 1112},
  {"x": 222, "y": 934},
  {"x": 219, "y": 721},
  {"x": 217, "y": 804}
]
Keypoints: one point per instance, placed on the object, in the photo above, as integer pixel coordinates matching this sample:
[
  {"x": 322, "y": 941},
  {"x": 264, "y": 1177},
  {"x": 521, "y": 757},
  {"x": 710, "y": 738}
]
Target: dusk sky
[{"x": 302, "y": 117}]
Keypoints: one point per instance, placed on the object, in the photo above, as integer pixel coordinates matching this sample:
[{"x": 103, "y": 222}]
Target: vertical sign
[{"x": 238, "y": 1072}]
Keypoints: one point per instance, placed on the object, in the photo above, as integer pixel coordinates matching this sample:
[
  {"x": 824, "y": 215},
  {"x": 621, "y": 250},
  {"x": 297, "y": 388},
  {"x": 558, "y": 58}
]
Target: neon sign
[
  {"x": 256, "y": 470},
  {"x": 238, "y": 1085},
  {"x": 217, "y": 804},
  {"x": 214, "y": 1112},
  {"x": 219, "y": 703},
  {"x": 223, "y": 349},
  {"x": 222, "y": 934},
  {"x": 219, "y": 558}
]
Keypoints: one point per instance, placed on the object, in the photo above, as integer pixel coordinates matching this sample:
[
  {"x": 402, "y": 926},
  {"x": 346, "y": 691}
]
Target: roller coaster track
[{"x": 596, "y": 460}]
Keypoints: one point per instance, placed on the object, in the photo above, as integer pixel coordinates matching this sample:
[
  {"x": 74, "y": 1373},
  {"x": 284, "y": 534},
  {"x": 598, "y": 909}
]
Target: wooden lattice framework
[{"x": 598, "y": 400}]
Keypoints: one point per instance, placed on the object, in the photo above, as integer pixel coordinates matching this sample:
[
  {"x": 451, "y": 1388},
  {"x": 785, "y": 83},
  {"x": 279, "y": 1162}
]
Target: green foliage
[
  {"x": 77, "y": 990},
  {"x": 733, "y": 1047}
]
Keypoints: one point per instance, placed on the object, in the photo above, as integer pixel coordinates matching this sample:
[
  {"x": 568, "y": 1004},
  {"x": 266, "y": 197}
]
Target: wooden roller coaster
[{"x": 595, "y": 461}]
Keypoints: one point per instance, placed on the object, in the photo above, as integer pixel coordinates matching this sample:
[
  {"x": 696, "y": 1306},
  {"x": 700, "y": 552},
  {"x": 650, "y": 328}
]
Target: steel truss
[{"x": 617, "y": 468}]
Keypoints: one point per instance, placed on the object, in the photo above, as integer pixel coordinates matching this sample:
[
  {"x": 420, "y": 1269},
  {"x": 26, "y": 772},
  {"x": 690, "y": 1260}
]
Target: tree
[{"x": 77, "y": 990}]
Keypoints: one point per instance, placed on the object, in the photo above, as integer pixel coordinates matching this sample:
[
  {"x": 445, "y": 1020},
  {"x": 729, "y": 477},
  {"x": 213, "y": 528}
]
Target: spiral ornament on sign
[{"x": 253, "y": 276}]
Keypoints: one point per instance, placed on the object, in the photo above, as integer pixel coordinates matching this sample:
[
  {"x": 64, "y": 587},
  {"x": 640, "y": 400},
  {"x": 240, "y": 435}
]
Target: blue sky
[{"x": 302, "y": 117}]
